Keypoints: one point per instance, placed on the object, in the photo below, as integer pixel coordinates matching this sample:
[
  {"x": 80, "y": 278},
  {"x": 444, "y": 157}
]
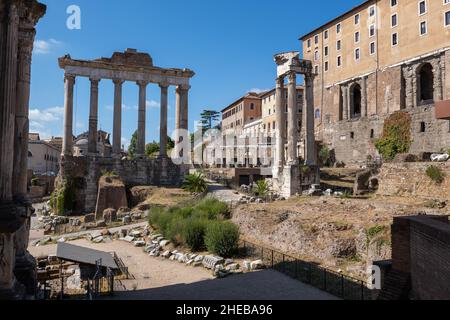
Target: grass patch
[{"x": 436, "y": 174}]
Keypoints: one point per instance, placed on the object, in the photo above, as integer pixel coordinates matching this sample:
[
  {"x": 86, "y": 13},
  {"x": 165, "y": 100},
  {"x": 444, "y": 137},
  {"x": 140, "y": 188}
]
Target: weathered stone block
[{"x": 111, "y": 194}]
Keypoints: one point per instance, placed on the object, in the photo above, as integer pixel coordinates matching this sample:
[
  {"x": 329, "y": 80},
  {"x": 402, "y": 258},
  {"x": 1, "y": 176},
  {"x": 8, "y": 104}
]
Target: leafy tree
[
  {"x": 152, "y": 148},
  {"x": 208, "y": 119},
  {"x": 133, "y": 145}
]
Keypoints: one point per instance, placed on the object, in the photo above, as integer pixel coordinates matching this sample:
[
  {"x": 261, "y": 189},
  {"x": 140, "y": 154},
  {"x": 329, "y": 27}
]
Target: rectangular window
[
  {"x": 338, "y": 28},
  {"x": 447, "y": 18},
  {"x": 316, "y": 55},
  {"x": 316, "y": 39},
  {"x": 325, "y": 34},
  {"x": 338, "y": 45},
  {"x": 357, "y": 54},
  {"x": 371, "y": 30},
  {"x": 339, "y": 61},
  {"x": 394, "y": 39},
  {"x": 394, "y": 21},
  {"x": 309, "y": 43},
  {"x": 326, "y": 66},
  {"x": 371, "y": 11},
  {"x": 372, "y": 48},
  {"x": 325, "y": 51},
  {"x": 357, "y": 37},
  {"x": 422, "y": 7},
  {"x": 393, "y": 3},
  {"x": 423, "y": 28},
  {"x": 316, "y": 69},
  {"x": 357, "y": 19}
]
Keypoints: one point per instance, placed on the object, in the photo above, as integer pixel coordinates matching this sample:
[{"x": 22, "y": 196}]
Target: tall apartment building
[{"x": 378, "y": 58}]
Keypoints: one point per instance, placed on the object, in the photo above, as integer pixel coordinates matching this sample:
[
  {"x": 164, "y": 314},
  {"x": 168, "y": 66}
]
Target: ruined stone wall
[
  {"x": 86, "y": 172},
  {"x": 388, "y": 91},
  {"x": 410, "y": 179}
]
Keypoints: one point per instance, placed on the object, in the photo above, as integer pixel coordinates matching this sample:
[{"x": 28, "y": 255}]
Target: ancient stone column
[
  {"x": 178, "y": 113},
  {"x": 280, "y": 122},
  {"x": 93, "y": 117},
  {"x": 310, "y": 157},
  {"x": 185, "y": 107},
  {"x": 8, "y": 103},
  {"x": 117, "y": 125},
  {"x": 163, "y": 121},
  {"x": 69, "y": 81},
  {"x": 141, "y": 117},
  {"x": 26, "y": 39},
  {"x": 364, "y": 97},
  {"x": 344, "y": 102},
  {"x": 292, "y": 136}
]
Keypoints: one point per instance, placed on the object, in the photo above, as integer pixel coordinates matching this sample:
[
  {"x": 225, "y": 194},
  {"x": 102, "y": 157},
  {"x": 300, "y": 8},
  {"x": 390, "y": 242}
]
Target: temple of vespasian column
[
  {"x": 289, "y": 176},
  {"x": 135, "y": 67}
]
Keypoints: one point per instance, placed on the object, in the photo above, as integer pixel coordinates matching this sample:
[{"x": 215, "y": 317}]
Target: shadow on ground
[{"x": 263, "y": 285}]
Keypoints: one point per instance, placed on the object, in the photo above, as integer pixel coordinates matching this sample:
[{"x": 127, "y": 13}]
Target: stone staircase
[{"x": 396, "y": 286}]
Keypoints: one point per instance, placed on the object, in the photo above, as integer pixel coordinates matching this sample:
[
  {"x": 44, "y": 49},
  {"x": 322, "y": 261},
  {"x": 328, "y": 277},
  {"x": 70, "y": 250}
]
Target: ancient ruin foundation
[{"x": 84, "y": 172}]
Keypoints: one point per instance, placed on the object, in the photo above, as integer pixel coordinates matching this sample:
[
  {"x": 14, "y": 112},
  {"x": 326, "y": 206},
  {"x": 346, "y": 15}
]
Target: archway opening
[
  {"x": 426, "y": 84},
  {"x": 356, "y": 101}
]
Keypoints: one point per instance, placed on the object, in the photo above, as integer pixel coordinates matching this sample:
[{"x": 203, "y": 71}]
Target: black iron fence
[{"x": 337, "y": 284}]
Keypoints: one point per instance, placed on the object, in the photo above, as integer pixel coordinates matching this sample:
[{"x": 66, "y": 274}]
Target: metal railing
[{"x": 337, "y": 284}]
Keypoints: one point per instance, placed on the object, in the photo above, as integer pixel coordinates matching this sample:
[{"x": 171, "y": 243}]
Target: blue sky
[{"x": 229, "y": 44}]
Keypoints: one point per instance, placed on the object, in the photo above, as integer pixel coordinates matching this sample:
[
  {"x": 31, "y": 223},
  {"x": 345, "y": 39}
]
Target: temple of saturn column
[
  {"x": 17, "y": 31},
  {"x": 135, "y": 67},
  {"x": 290, "y": 176}
]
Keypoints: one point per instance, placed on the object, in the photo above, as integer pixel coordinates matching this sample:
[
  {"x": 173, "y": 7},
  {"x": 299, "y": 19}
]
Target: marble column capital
[
  {"x": 94, "y": 81},
  {"x": 142, "y": 84},
  {"x": 183, "y": 87},
  {"x": 164, "y": 85},
  {"x": 292, "y": 77},
  {"x": 70, "y": 77},
  {"x": 280, "y": 82},
  {"x": 118, "y": 82}
]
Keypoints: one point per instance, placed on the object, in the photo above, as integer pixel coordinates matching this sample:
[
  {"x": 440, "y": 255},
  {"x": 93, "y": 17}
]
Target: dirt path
[{"x": 223, "y": 193}]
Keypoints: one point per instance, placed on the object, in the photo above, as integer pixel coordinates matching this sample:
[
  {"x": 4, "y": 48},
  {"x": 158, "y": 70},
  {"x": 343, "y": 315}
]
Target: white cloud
[
  {"x": 46, "y": 115},
  {"x": 46, "y": 46},
  {"x": 258, "y": 90},
  {"x": 153, "y": 104},
  {"x": 124, "y": 107}
]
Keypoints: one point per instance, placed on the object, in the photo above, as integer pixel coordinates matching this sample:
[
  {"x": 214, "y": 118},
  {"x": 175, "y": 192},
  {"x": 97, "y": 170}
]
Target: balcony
[{"x": 443, "y": 110}]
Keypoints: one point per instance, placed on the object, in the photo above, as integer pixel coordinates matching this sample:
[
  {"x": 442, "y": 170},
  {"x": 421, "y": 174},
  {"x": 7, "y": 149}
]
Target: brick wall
[
  {"x": 430, "y": 259},
  {"x": 421, "y": 248},
  {"x": 410, "y": 179}
]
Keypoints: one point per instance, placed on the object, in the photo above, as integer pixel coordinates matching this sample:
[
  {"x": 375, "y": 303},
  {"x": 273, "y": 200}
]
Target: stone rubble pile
[{"x": 438, "y": 157}]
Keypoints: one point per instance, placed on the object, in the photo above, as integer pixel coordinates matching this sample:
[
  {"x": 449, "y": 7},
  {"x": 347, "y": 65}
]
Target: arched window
[
  {"x": 425, "y": 83},
  {"x": 30, "y": 155}
]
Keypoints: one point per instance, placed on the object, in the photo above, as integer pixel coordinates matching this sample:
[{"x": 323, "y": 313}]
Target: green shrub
[
  {"x": 107, "y": 173},
  {"x": 436, "y": 174},
  {"x": 175, "y": 229},
  {"x": 64, "y": 198},
  {"x": 396, "y": 136},
  {"x": 324, "y": 155},
  {"x": 211, "y": 209},
  {"x": 261, "y": 188},
  {"x": 194, "y": 234},
  {"x": 195, "y": 183},
  {"x": 222, "y": 238}
]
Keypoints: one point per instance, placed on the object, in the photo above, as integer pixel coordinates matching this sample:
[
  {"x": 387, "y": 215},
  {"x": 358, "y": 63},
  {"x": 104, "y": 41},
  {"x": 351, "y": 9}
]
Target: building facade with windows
[
  {"x": 43, "y": 158},
  {"x": 381, "y": 57},
  {"x": 243, "y": 110}
]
